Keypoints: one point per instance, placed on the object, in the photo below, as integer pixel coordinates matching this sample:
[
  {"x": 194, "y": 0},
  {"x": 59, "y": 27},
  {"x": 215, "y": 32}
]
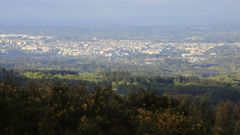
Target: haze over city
[{"x": 121, "y": 12}]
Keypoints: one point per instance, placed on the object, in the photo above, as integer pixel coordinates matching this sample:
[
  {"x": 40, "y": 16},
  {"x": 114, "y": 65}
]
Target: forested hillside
[{"x": 116, "y": 103}]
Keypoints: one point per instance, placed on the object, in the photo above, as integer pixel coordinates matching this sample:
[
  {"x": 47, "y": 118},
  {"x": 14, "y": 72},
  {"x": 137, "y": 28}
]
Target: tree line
[{"x": 70, "y": 107}]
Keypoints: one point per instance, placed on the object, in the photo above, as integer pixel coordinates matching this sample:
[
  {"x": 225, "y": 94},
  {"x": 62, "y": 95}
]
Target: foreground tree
[{"x": 224, "y": 123}]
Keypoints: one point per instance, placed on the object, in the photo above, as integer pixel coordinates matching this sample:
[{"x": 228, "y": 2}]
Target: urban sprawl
[{"x": 109, "y": 48}]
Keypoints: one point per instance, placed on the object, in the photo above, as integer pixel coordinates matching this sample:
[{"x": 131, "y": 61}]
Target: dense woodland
[{"x": 66, "y": 103}]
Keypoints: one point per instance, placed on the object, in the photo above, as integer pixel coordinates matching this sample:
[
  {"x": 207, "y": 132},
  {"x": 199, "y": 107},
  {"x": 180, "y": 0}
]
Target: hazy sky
[{"x": 127, "y": 12}]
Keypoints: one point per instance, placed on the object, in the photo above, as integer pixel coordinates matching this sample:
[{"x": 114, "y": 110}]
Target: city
[{"x": 115, "y": 49}]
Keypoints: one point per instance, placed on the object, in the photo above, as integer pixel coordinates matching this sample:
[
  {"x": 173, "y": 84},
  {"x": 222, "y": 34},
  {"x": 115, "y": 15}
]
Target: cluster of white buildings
[{"x": 28, "y": 43}]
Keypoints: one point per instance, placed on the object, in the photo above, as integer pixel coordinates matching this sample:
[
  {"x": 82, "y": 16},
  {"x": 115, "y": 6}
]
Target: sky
[{"x": 119, "y": 12}]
